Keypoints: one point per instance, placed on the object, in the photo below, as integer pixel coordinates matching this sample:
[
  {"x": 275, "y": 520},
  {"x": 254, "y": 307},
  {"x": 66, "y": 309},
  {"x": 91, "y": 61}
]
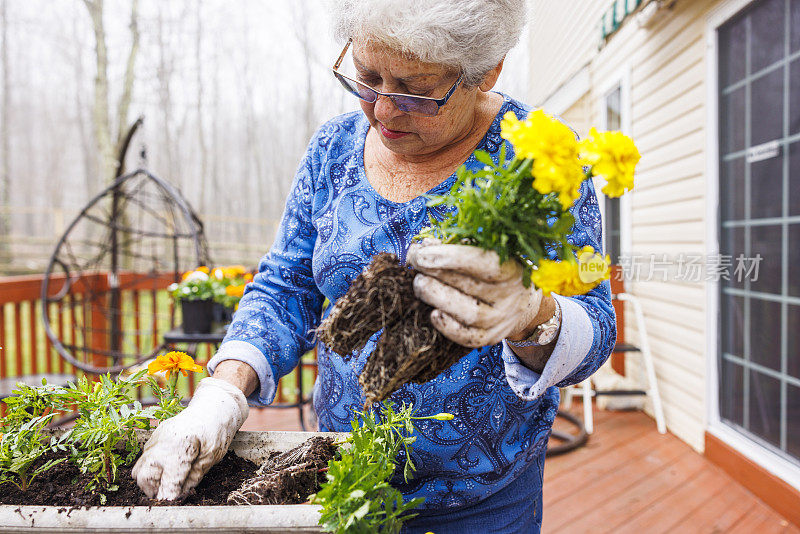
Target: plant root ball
[{"x": 409, "y": 349}]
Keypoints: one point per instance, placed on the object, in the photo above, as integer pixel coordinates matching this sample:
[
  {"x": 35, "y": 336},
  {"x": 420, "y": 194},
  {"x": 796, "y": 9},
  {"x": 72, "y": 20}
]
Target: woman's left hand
[{"x": 478, "y": 301}]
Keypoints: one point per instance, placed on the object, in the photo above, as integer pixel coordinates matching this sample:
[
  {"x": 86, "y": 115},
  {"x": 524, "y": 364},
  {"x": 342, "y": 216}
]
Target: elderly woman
[{"x": 424, "y": 74}]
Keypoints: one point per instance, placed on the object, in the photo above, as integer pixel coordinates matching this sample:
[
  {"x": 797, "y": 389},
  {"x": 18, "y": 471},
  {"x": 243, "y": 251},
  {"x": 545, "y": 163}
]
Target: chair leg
[
  {"x": 588, "y": 422},
  {"x": 644, "y": 343},
  {"x": 653, "y": 391},
  {"x": 566, "y": 398}
]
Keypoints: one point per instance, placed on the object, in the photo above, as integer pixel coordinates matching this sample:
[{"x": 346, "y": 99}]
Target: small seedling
[
  {"x": 103, "y": 437},
  {"x": 22, "y": 447},
  {"x": 357, "y": 497},
  {"x": 30, "y": 402}
]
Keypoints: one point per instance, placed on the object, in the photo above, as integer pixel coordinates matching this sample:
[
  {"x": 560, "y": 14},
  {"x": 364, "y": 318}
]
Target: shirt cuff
[
  {"x": 572, "y": 347},
  {"x": 245, "y": 352}
]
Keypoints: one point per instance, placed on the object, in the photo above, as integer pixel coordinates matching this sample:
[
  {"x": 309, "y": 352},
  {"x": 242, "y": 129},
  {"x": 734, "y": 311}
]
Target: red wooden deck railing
[{"x": 26, "y": 350}]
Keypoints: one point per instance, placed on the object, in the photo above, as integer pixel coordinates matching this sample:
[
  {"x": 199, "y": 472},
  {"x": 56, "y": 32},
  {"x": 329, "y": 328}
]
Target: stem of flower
[
  {"x": 173, "y": 382},
  {"x": 106, "y": 466}
]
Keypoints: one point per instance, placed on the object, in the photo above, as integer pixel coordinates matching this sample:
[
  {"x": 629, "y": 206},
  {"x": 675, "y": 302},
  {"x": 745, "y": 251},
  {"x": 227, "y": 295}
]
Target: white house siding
[
  {"x": 579, "y": 115},
  {"x": 666, "y": 68},
  {"x": 563, "y": 39}
]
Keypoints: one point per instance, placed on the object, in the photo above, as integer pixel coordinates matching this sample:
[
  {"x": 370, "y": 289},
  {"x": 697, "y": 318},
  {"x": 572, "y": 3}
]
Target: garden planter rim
[{"x": 253, "y": 445}]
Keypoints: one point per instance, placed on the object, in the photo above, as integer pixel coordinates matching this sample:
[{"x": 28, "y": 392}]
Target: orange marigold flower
[
  {"x": 203, "y": 269},
  {"x": 238, "y": 269},
  {"x": 174, "y": 361},
  {"x": 235, "y": 291}
]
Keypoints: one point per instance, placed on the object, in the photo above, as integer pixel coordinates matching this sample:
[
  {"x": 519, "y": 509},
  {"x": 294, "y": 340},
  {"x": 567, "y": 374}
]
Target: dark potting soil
[
  {"x": 64, "y": 485},
  {"x": 409, "y": 349}
]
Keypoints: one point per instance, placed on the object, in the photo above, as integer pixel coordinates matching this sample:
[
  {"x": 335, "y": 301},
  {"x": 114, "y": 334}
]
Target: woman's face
[{"x": 411, "y": 135}]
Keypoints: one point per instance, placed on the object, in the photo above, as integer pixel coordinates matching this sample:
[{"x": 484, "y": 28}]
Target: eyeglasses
[{"x": 412, "y": 104}]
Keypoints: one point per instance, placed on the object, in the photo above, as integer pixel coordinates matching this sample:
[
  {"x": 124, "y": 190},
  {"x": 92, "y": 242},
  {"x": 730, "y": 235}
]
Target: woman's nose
[{"x": 385, "y": 109}]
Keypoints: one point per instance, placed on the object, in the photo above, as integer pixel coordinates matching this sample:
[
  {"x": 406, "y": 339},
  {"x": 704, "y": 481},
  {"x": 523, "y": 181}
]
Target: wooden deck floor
[{"x": 628, "y": 479}]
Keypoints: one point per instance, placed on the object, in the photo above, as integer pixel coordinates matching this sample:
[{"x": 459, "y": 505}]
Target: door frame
[
  {"x": 745, "y": 445},
  {"x": 622, "y": 78}
]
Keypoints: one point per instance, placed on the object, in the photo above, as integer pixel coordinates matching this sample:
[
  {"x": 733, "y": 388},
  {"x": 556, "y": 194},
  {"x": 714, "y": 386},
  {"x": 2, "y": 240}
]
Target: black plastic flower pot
[
  {"x": 222, "y": 314},
  {"x": 198, "y": 316}
]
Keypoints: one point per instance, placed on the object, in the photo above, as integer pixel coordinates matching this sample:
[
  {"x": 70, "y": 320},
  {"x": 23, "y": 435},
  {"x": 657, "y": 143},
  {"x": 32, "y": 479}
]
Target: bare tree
[
  {"x": 215, "y": 124},
  {"x": 100, "y": 111},
  {"x": 127, "y": 86},
  {"x": 302, "y": 34},
  {"x": 252, "y": 159},
  {"x": 100, "y": 105},
  {"x": 232, "y": 97},
  {"x": 201, "y": 138},
  {"x": 88, "y": 161},
  {"x": 164, "y": 76},
  {"x": 5, "y": 150}
]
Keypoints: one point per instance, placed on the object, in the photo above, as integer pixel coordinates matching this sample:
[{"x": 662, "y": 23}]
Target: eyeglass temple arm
[{"x": 341, "y": 56}]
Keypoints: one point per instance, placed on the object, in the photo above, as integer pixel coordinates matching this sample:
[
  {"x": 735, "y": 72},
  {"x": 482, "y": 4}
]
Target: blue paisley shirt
[{"x": 334, "y": 222}]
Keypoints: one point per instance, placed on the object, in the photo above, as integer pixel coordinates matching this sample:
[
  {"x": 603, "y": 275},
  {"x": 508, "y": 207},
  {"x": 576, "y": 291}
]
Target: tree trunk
[
  {"x": 5, "y": 141},
  {"x": 127, "y": 88},
  {"x": 90, "y": 169},
  {"x": 201, "y": 138},
  {"x": 100, "y": 119},
  {"x": 165, "y": 93},
  {"x": 300, "y": 16}
]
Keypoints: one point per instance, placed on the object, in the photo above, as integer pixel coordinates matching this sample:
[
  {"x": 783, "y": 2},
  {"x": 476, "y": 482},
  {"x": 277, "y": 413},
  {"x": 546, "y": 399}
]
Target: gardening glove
[
  {"x": 183, "y": 448},
  {"x": 478, "y": 301}
]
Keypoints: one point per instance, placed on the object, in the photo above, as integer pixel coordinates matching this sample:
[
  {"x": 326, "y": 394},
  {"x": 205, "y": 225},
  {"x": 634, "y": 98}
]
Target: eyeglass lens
[{"x": 406, "y": 104}]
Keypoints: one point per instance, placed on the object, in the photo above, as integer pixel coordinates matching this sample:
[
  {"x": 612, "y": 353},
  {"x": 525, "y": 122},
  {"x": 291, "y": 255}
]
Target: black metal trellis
[{"x": 110, "y": 267}]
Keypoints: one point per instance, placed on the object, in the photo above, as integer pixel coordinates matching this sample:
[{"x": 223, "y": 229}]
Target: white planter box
[{"x": 253, "y": 446}]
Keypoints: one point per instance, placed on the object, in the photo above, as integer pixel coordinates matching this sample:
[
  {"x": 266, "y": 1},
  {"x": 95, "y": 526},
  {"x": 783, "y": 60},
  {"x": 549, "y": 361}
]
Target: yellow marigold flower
[
  {"x": 554, "y": 150},
  {"x": 569, "y": 278},
  {"x": 174, "y": 361},
  {"x": 203, "y": 269},
  {"x": 248, "y": 276},
  {"x": 235, "y": 291},
  {"x": 592, "y": 267},
  {"x": 613, "y": 156}
]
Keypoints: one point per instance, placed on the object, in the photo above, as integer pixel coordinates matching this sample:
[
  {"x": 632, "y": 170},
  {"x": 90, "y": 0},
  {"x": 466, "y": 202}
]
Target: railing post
[
  {"x": 617, "y": 286},
  {"x": 99, "y": 323}
]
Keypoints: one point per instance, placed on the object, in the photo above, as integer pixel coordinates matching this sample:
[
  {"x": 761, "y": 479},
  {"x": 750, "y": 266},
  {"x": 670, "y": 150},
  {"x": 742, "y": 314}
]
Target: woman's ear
[{"x": 491, "y": 77}]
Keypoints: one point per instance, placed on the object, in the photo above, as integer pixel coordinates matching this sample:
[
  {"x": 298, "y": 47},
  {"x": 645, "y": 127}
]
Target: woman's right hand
[{"x": 183, "y": 448}]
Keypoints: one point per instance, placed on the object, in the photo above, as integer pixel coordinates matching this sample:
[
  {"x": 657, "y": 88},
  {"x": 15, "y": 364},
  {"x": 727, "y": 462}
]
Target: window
[
  {"x": 612, "y": 216},
  {"x": 759, "y": 185}
]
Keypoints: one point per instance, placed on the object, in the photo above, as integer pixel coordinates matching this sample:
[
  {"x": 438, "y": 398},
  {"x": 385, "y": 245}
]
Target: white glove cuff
[{"x": 238, "y": 404}]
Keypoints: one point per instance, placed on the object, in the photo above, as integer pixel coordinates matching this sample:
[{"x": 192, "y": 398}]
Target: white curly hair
[{"x": 469, "y": 35}]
